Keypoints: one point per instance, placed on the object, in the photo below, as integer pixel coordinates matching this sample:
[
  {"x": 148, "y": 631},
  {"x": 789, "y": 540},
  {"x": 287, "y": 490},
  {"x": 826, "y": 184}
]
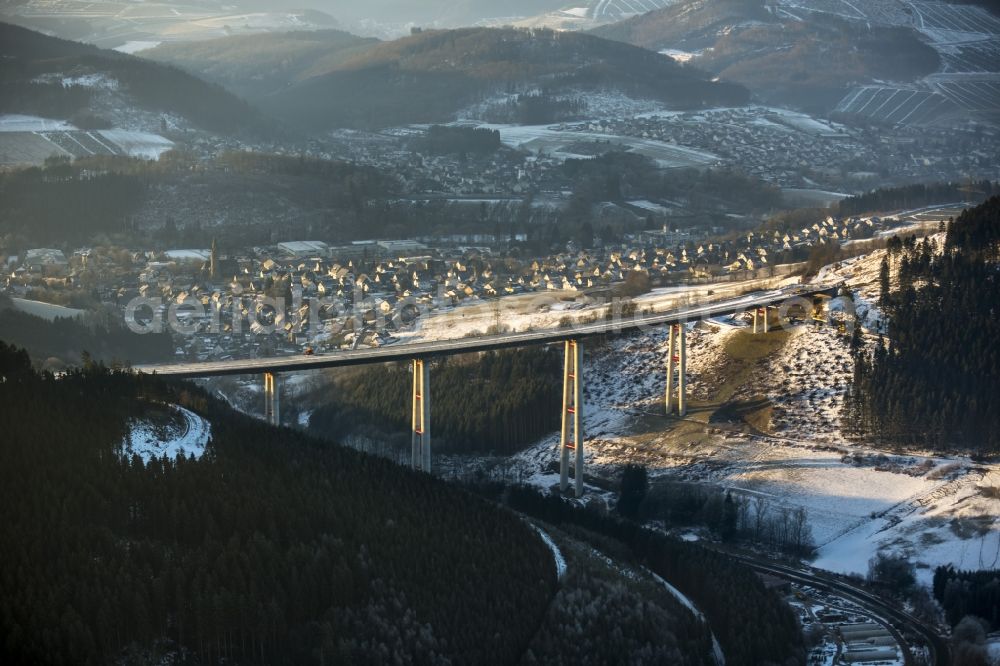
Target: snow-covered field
[
  {"x": 558, "y": 143},
  {"x": 21, "y": 123},
  {"x": 188, "y": 437},
  {"x": 46, "y": 310},
  {"x": 950, "y": 519},
  {"x": 138, "y": 144},
  {"x": 135, "y": 46},
  {"x": 31, "y": 139}
]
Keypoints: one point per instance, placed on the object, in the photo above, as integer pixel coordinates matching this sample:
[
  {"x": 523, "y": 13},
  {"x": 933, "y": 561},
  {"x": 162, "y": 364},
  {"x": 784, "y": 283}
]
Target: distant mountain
[
  {"x": 807, "y": 63},
  {"x": 690, "y": 25},
  {"x": 431, "y": 75},
  {"x": 57, "y": 78},
  {"x": 257, "y": 65},
  {"x": 425, "y": 12},
  {"x": 132, "y": 25}
]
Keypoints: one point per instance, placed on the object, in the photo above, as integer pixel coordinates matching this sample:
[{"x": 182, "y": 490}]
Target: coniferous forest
[
  {"x": 272, "y": 548},
  {"x": 963, "y": 593},
  {"x": 933, "y": 380},
  {"x": 753, "y": 624},
  {"x": 66, "y": 340},
  {"x": 516, "y": 397},
  {"x": 916, "y": 195}
]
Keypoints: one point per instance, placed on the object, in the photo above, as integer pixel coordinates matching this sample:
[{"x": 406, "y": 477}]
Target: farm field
[
  {"x": 544, "y": 138},
  {"x": 27, "y": 140},
  {"x": 615, "y": 9},
  {"x": 895, "y": 105}
]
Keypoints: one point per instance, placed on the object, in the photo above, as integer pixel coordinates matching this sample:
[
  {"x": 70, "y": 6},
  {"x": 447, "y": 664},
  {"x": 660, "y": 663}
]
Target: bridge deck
[{"x": 439, "y": 348}]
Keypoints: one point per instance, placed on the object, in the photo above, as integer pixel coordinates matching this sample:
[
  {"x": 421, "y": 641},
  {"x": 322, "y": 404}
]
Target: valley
[{"x": 616, "y": 331}]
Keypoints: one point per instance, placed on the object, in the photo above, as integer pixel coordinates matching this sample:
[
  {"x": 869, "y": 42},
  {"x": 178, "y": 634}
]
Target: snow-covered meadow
[{"x": 187, "y": 435}]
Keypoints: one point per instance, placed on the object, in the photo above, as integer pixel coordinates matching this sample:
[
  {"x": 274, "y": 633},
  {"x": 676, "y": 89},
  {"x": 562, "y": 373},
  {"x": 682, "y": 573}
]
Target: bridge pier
[
  {"x": 421, "y": 417},
  {"x": 571, "y": 438},
  {"x": 272, "y": 398},
  {"x": 677, "y": 369},
  {"x": 761, "y": 320}
]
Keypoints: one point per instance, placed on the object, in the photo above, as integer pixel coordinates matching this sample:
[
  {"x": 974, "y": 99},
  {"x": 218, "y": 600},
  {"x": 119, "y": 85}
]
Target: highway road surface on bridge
[{"x": 437, "y": 348}]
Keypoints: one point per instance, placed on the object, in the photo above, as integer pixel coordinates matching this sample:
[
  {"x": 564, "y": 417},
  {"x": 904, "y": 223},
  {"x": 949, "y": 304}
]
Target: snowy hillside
[
  {"x": 185, "y": 435},
  {"x": 791, "y": 452}
]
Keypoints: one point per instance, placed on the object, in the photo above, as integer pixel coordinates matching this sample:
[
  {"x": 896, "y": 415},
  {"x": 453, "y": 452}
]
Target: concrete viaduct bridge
[{"x": 804, "y": 300}]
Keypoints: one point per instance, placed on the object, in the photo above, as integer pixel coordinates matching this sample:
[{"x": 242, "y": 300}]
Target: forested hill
[
  {"x": 425, "y": 12},
  {"x": 439, "y": 72},
  {"x": 907, "y": 197},
  {"x": 272, "y": 548},
  {"x": 807, "y": 62},
  {"x": 933, "y": 381},
  {"x": 690, "y": 25},
  {"x": 33, "y": 68},
  {"x": 257, "y": 65}
]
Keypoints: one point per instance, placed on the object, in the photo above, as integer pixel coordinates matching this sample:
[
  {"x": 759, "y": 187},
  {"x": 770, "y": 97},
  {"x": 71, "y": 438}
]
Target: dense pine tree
[
  {"x": 272, "y": 548},
  {"x": 497, "y": 402},
  {"x": 934, "y": 380}
]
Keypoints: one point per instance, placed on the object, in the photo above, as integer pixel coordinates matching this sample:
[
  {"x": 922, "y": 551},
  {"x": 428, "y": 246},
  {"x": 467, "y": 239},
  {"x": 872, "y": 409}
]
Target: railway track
[{"x": 899, "y": 623}]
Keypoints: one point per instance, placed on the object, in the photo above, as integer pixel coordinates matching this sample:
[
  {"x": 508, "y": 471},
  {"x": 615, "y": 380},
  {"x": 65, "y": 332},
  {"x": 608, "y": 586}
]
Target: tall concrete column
[
  {"x": 268, "y": 383},
  {"x": 272, "y": 398},
  {"x": 671, "y": 368},
  {"x": 564, "y": 433},
  {"x": 425, "y": 391},
  {"x": 420, "y": 434},
  {"x": 578, "y": 417},
  {"x": 682, "y": 372},
  {"x": 571, "y": 437},
  {"x": 767, "y": 327},
  {"x": 416, "y": 412},
  {"x": 756, "y": 313}
]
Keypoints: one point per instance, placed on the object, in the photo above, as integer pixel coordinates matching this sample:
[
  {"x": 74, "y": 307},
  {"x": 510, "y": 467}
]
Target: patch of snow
[
  {"x": 557, "y": 555},
  {"x": 46, "y": 311},
  {"x": 720, "y": 658},
  {"x": 680, "y": 56},
  {"x": 20, "y": 123},
  {"x": 138, "y": 144},
  {"x": 134, "y": 46},
  {"x": 189, "y": 439}
]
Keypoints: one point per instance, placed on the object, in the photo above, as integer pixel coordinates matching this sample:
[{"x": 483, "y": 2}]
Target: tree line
[
  {"x": 447, "y": 140},
  {"x": 498, "y": 402},
  {"x": 915, "y": 196},
  {"x": 962, "y": 593},
  {"x": 64, "y": 203},
  {"x": 932, "y": 380},
  {"x": 731, "y": 516},
  {"x": 70, "y": 340}
]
